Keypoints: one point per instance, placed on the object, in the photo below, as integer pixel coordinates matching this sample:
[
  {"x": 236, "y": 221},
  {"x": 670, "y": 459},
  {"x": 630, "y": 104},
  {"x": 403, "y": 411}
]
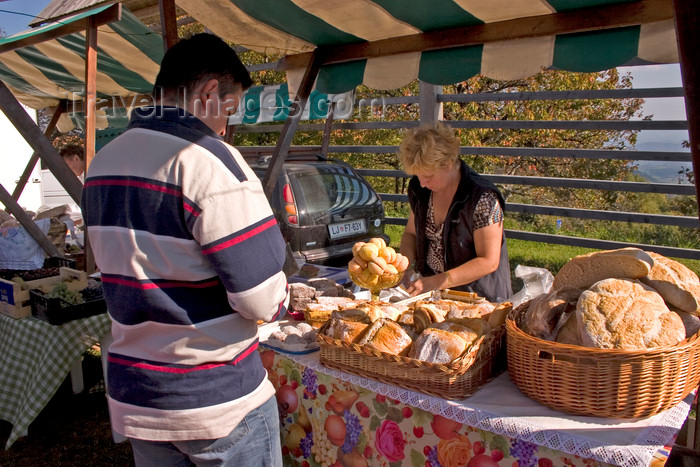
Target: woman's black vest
[{"x": 458, "y": 233}]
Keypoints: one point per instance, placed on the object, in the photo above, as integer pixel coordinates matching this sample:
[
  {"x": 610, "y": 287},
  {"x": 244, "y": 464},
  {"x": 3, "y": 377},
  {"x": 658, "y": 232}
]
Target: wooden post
[
  {"x": 430, "y": 108},
  {"x": 39, "y": 143},
  {"x": 90, "y": 100},
  {"x": 26, "y": 222},
  {"x": 327, "y": 129},
  {"x": 687, "y": 19},
  {"x": 35, "y": 156},
  {"x": 292, "y": 123},
  {"x": 168, "y": 23}
]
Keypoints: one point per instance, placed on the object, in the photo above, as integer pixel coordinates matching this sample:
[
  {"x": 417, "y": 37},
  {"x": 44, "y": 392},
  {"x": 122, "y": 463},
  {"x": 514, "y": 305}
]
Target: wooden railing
[{"x": 552, "y": 182}]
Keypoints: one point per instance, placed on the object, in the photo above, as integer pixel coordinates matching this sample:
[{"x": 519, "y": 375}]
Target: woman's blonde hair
[{"x": 429, "y": 148}]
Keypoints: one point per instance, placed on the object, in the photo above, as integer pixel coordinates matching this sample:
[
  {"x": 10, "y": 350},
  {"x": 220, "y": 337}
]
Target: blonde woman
[{"x": 454, "y": 237}]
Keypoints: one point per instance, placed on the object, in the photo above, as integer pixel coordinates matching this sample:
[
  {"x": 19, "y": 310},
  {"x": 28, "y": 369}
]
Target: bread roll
[
  {"x": 585, "y": 270},
  {"x": 677, "y": 284},
  {"x": 626, "y": 314},
  {"x": 387, "y": 336},
  {"x": 346, "y": 331},
  {"x": 546, "y": 312}
]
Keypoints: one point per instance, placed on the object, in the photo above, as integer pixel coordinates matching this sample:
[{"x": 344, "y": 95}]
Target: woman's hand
[{"x": 425, "y": 284}]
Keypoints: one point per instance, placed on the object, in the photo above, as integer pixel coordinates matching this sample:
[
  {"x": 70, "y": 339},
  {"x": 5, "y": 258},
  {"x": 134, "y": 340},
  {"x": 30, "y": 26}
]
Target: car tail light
[
  {"x": 287, "y": 194},
  {"x": 290, "y": 207}
]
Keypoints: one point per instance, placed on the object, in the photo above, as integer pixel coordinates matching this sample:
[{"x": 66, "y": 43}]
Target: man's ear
[{"x": 210, "y": 87}]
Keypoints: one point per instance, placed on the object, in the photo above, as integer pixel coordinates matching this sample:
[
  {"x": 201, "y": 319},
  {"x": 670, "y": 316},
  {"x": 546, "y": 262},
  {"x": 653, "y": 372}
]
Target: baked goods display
[
  {"x": 608, "y": 341},
  {"x": 376, "y": 266},
  {"x": 617, "y": 299},
  {"x": 429, "y": 330}
]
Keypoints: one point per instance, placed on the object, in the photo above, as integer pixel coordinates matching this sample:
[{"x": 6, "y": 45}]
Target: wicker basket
[
  {"x": 480, "y": 363},
  {"x": 601, "y": 382}
]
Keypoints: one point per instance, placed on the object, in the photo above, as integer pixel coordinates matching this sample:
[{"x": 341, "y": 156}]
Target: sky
[{"x": 15, "y": 16}]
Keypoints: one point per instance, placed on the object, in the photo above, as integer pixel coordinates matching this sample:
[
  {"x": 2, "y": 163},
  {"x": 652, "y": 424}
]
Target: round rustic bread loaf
[
  {"x": 677, "y": 284},
  {"x": 585, "y": 270},
  {"x": 626, "y": 314}
]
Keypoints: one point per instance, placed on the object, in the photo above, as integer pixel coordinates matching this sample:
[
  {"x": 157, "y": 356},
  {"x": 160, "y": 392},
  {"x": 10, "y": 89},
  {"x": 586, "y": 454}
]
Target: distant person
[
  {"x": 454, "y": 236},
  {"x": 191, "y": 258},
  {"x": 73, "y": 155}
]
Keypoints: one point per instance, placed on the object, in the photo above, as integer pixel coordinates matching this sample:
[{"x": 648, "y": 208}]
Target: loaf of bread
[
  {"x": 376, "y": 309},
  {"x": 352, "y": 314},
  {"x": 585, "y": 270},
  {"x": 547, "y": 312},
  {"x": 425, "y": 314},
  {"x": 470, "y": 310},
  {"x": 387, "y": 336},
  {"x": 677, "y": 284},
  {"x": 691, "y": 322},
  {"x": 626, "y": 314},
  {"x": 568, "y": 333},
  {"x": 442, "y": 342},
  {"x": 344, "y": 330},
  {"x": 479, "y": 325},
  {"x": 499, "y": 314}
]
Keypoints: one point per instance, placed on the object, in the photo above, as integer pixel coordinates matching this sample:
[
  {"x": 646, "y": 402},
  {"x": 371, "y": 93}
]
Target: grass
[{"x": 542, "y": 255}]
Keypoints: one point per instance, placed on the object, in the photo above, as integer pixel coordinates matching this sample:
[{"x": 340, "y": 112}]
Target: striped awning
[
  {"x": 42, "y": 74},
  {"x": 410, "y": 39}
]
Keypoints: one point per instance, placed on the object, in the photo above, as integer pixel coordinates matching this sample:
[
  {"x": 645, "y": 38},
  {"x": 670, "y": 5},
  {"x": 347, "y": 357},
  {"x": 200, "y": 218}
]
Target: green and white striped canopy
[
  {"x": 290, "y": 27},
  {"x": 40, "y": 75}
]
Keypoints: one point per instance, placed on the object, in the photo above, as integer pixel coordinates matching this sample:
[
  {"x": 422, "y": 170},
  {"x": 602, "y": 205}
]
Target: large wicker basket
[
  {"x": 458, "y": 379},
  {"x": 601, "y": 382}
]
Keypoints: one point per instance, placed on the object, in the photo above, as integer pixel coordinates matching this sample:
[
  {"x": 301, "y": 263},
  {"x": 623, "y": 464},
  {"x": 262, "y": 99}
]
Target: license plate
[{"x": 347, "y": 229}]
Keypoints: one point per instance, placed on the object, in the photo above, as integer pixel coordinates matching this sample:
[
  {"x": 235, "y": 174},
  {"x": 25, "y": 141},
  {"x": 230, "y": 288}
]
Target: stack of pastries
[
  {"x": 434, "y": 331},
  {"x": 624, "y": 299}
]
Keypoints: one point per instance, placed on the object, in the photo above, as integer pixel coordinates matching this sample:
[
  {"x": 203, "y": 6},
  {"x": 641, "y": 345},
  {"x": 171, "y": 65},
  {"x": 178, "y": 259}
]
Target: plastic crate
[
  {"x": 15, "y": 300},
  {"x": 58, "y": 311}
]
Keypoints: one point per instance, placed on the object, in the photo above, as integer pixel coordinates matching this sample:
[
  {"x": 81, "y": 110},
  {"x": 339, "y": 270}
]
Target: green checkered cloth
[{"x": 35, "y": 358}]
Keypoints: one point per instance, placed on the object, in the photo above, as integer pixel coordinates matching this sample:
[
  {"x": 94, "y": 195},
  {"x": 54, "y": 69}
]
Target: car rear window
[{"x": 333, "y": 190}]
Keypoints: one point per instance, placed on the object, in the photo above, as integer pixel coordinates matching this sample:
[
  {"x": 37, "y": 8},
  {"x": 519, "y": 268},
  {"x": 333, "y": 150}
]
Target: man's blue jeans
[{"x": 255, "y": 442}]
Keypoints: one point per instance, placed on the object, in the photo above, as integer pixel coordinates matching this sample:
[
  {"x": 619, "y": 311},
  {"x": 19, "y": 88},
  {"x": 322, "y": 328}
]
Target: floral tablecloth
[{"x": 332, "y": 418}]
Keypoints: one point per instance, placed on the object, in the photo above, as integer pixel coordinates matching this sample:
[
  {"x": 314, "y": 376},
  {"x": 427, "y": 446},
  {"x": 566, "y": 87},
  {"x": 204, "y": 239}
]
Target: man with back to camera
[{"x": 191, "y": 258}]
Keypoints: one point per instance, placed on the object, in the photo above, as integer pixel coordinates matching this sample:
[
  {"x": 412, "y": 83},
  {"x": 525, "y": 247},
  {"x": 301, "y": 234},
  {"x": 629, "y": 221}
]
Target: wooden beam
[
  {"x": 35, "y": 138},
  {"x": 22, "y": 182},
  {"x": 292, "y": 123},
  {"x": 430, "y": 108},
  {"x": 90, "y": 99},
  {"x": 113, "y": 13},
  {"x": 168, "y": 23},
  {"x": 26, "y": 222},
  {"x": 588, "y": 19},
  {"x": 687, "y": 19},
  {"x": 326, "y": 141}
]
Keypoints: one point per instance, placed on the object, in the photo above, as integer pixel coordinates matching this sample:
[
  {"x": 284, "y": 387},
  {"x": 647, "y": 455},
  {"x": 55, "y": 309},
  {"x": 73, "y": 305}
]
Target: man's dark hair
[
  {"x": 201, "y": 57},
  {"x": 69, "y": 149}
]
